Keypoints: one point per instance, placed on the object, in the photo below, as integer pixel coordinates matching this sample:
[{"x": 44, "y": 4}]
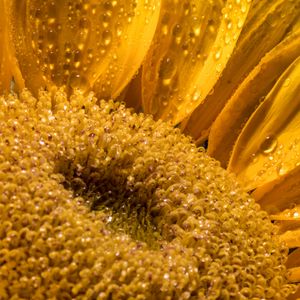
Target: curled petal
[
  {"x": 249, "y": 95},
  {"x": 269, "y": 144},
  {"x": 266, "y": 26},
  {"x": 191, "y": 47},
  {"x": 82, "y": 44}
]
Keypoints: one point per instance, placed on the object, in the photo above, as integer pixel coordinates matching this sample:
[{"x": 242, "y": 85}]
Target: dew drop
[
  {"x": 167, "y": 70},
  {"x": 165, "y": 103},
  {"x": 218, "y": 54},
  {"x": 196, "y": 95},
  {"x": 269, "y": 144},
  {"x": 243, "y": 8},
  {"x": 177, "y": 34},
  {"x": 240, "y": 23},
  {"x": 78, "y": 81},
  {"x": 229, "y": 25},
  {"x": 281, "y": 169},
  {"x": 218, "y": 68},
  {"x": 51, "y": 35},
  {"x": 296, "y": 215},
  {"x": 286, "y": 82},
  {"x": 196, "y": 27},
  {"x": 227, "y": 39},
  {"x": 106, "y": 36},
  {"x": 165, "y": 29}
]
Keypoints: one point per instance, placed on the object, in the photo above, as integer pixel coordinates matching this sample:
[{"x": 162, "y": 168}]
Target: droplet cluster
[
  {"x": 73, "y": 43},
  {"x": 188, "y": 34},
  {"x": 100, "y": 203}
]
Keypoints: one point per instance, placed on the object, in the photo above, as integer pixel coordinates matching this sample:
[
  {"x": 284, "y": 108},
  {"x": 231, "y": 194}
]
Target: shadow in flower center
[{"x": 118, "y": 206}]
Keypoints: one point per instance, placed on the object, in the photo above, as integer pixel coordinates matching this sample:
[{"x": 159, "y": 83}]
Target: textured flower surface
[{"x": 101, "y": 203}]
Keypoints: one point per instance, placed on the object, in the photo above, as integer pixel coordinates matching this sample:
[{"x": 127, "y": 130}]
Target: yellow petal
[
  {"x": 248, "y": 96},
  {"x": 287, "y": 214},
  {"x": 6, "y": 56},
  {"x": 78, "y": 44},
  {"x": 268, "y": 145},
  {"x": 191, "y": 47},
  {"x": 293, "y": 264},
  {"x": 265, "y": 27},
  {"x": 281, "y": 193},
  {"x": 293, "y": 259},
  {"x": 291, "y": 238},
  {"x": 294, "y": 274},
  {"x": 133, "y": 93}
]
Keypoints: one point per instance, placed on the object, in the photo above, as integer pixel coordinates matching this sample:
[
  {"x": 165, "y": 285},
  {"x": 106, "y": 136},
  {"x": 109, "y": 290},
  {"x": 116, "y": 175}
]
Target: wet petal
[
  {"x": 79, "y": 44},
  {"x": 268, "y": 145},
  {"x": 250, "y": 93},
  {"x": 191, "y": 47},
  {"x": 8, "y": 65},
  {"x": 291, "y": 238},
  {"x": 265, "y": 27},
  {"x": 280, "y": 194},
  {"x": 133, "y": 92}
]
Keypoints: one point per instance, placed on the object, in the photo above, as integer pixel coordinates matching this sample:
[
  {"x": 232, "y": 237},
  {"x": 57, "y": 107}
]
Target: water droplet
[
  {"x": 177, "y": 33},
  {"x": 218, "y": 68},
  {"x": 167, "y": 70},
  {"x": 78, "y": 81},
  {"x": 165, "y": 103},
  {"x": 227, "y": 38},
  {"x": 281, "y": 169},
  {"x": 165, "y": 29},
  {"x": 196, "y": 95},
  {"x": 119, "y": 30},
  {"x": 286, "y": 82},
  {"x": 51, "y": 35},
  {"x": 218, "y": 54},
  {"x": 229, "y": 25},
  {"x": 269, "y": 144},
  {"x": 243, "y": 8},
  {"x": 196, "y": 27},
  {"x": 106, "y": 36},
  {"x": 211, "y": 91},
  {"x": 240, "y": 23}
]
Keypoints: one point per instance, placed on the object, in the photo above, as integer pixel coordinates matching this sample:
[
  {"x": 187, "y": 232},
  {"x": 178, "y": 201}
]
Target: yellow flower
[{"x": 224, "y": 72}]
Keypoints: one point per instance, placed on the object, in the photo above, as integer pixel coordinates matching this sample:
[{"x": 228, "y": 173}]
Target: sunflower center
[{"x": 124, "y": 212}]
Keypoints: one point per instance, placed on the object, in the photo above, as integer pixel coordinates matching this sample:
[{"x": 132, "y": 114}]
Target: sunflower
[{"x": 225, "y": 73}]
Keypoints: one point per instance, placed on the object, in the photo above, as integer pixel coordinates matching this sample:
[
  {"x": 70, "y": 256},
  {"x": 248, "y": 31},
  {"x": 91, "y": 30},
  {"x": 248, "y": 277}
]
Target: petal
[
  {"x": 230, "y": 121},
  {"x": 294, "y": 274},
  {"x": 291, "y": 238},
  {"x": 79, "y": 44},
  {"x": 293, "y": 259},
  {"x": 133, "y": 92},
  {"x": 191, "y": 47},
  {"x": 7, "y": 63},
  {"x": 268, "y": 145},
  {"x": 265, "y": 27},
  {"x": 280, "y": 194}
]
